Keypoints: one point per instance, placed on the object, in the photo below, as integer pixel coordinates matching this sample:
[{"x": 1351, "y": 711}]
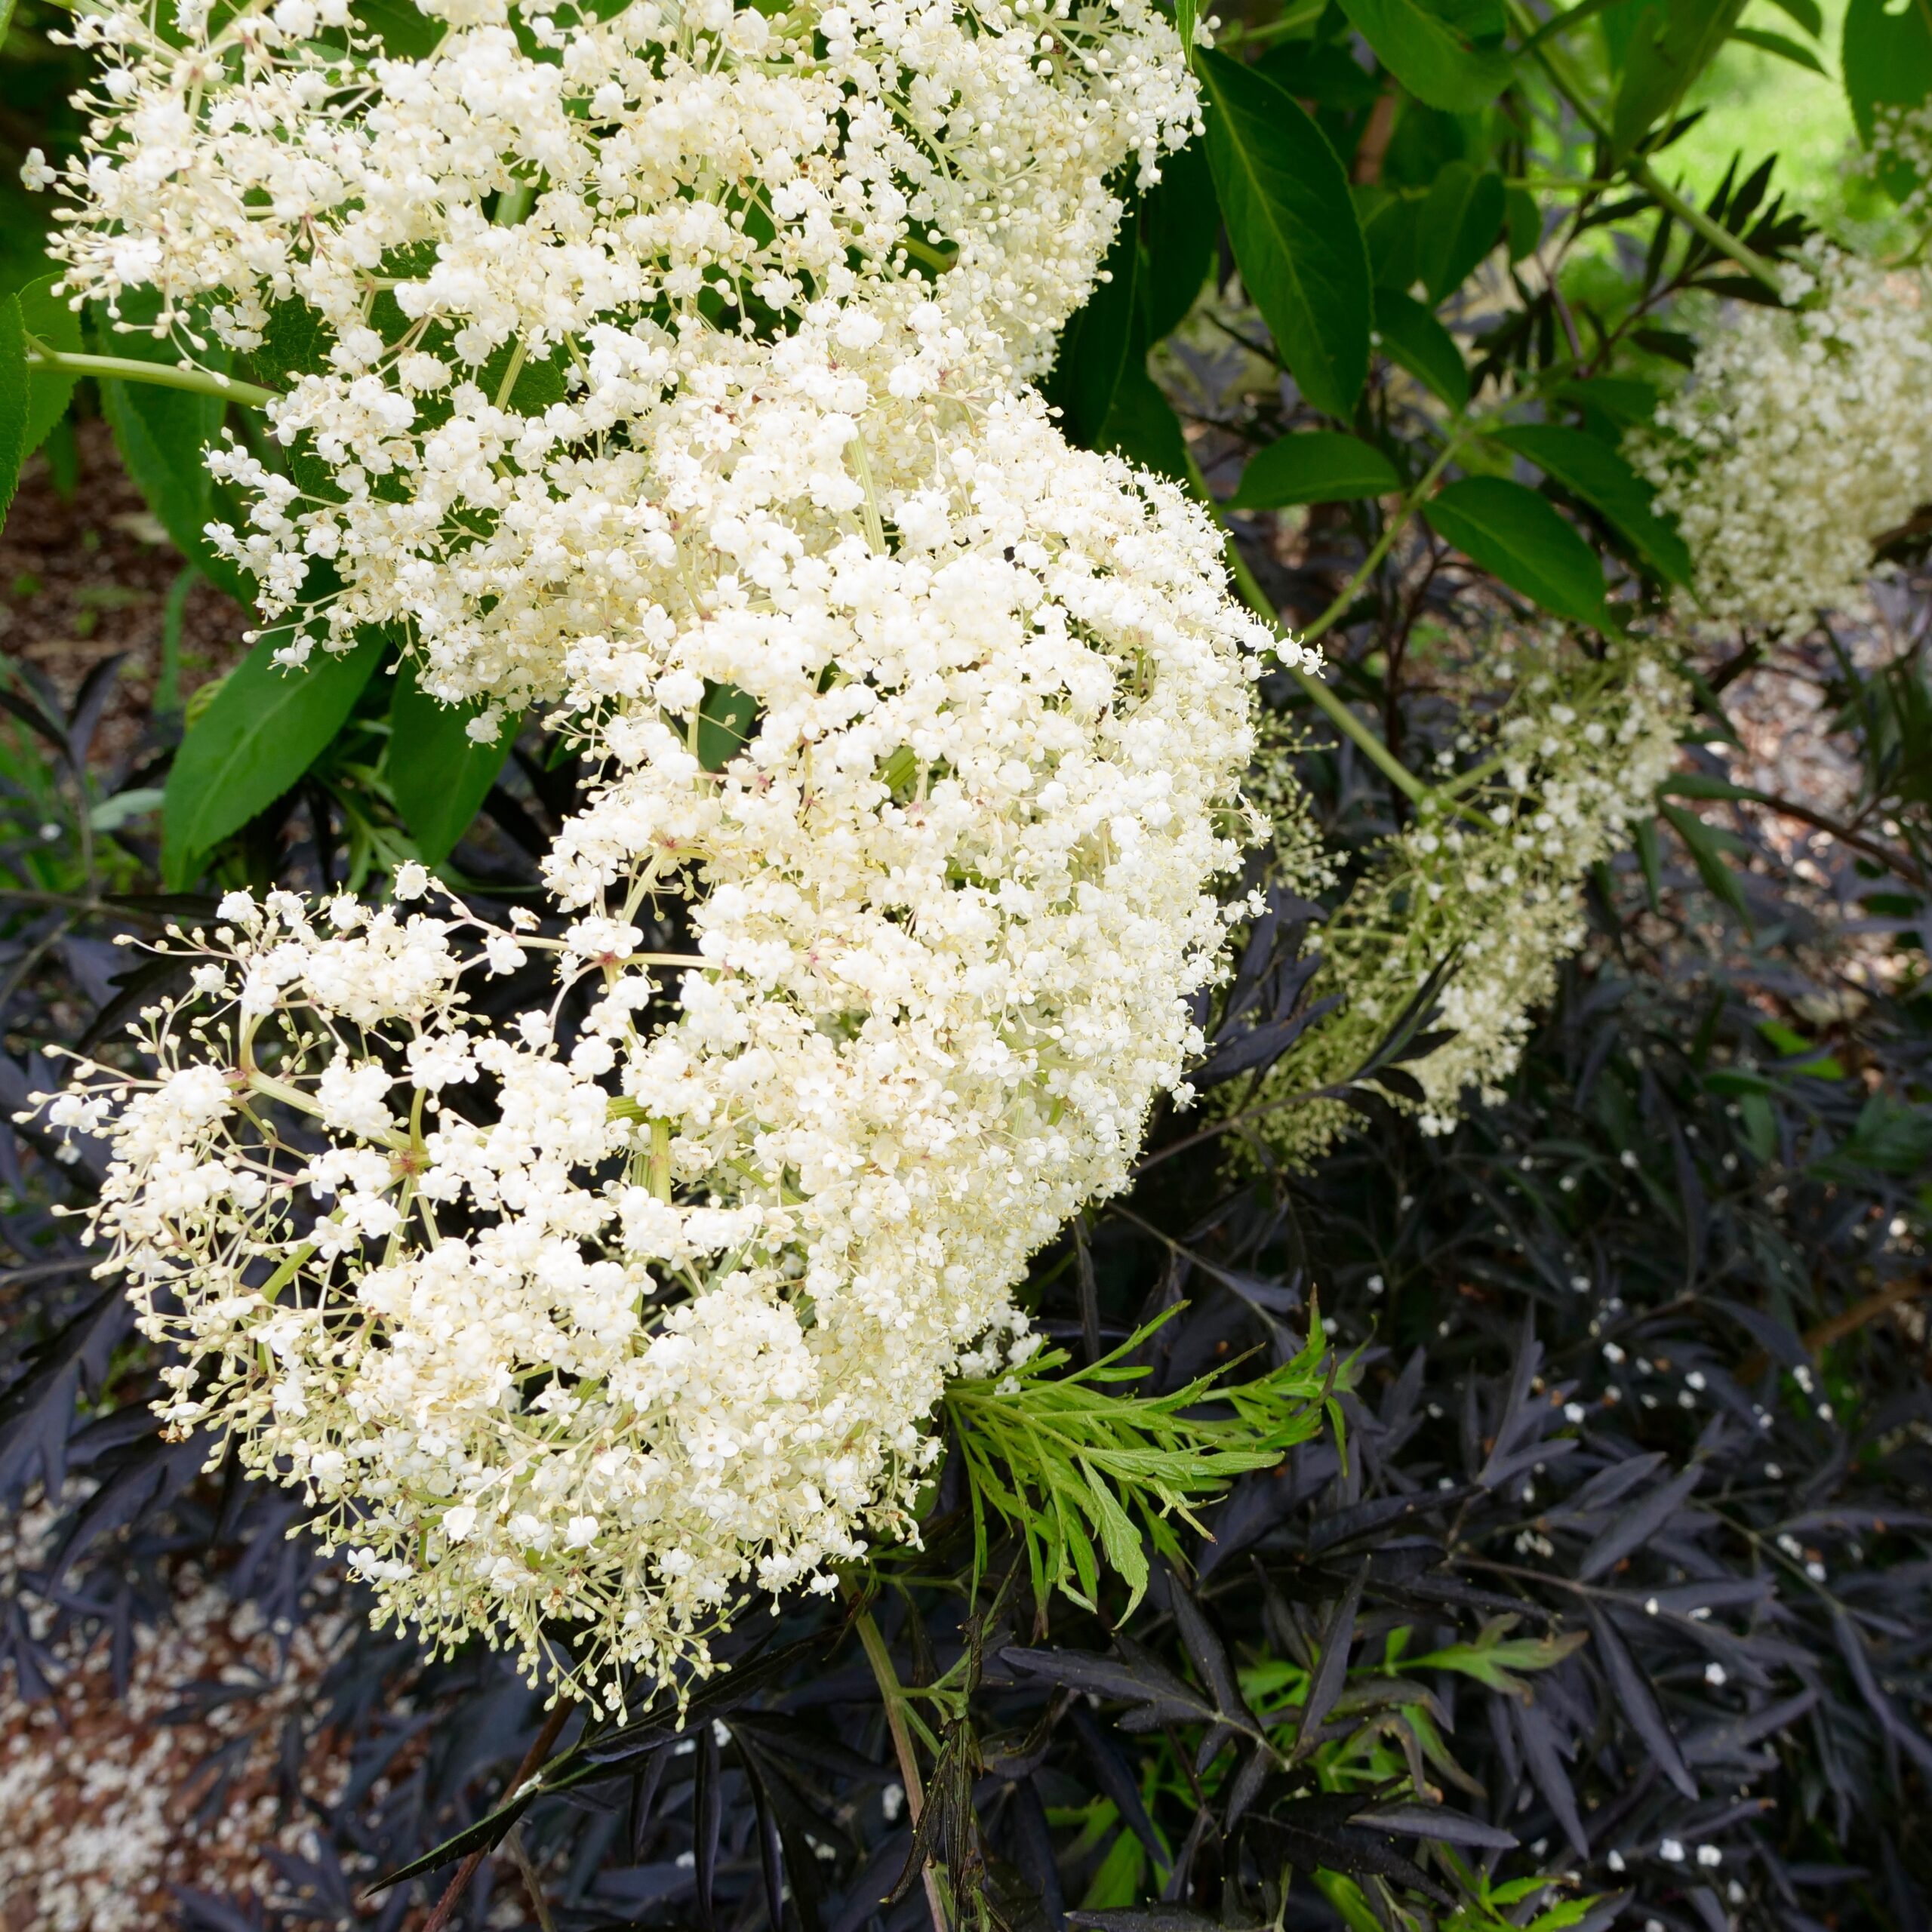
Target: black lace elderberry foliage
[{"x": 1607, "y": 1599}]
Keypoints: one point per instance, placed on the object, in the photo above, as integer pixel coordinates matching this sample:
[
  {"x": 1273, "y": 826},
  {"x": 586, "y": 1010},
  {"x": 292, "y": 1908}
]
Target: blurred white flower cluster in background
[
  {"x": 1479, "y": 893},
  {"x": 1803, "y": 436}
]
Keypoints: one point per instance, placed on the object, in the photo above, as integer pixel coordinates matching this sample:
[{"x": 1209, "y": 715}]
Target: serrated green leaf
[
  {"x": 1459, "y": 222},
  {"x": 1388, "y": 231},
  {"x": 1886, "y": 58},
  {"x": 1592, "y": 470},
  {"x": 1514, "y": 534},
  {"x": 295, "y": 342},
  {"x": 14, "y": 399},
  {"x": 1783, "y": 45},
  {"x": 265, "y": 728},
  {"x": 1093, "y": 346},
  {"x": 1809, "y": 15},
  {"x": 1672, "y": 42},
  {"x": 1644, "y": 836},
  {"x": 1323, "y": 73},
  {"x": 1292, "y": 221},
  {"x": 1413, "y": 338},
  {"x": 437, "y": 774},
  {"x": 1143, "y": 427},
  {"x": 1522, "y": 222},
  {"x": 405, "y": 33},
  {"x": 50, "y": 321},
  {"x": 1702, "y": 785},
  {"x": 1495, "y": 1660},
  {"x": 724, "y": 722},
  {"x": 1423, "y": 47},
  {"x": 1610, "y": 404},
  {"x": 1313, "y": 466}
]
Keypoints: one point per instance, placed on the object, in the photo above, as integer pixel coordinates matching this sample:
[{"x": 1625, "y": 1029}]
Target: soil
[{"x": 85, "y": 578}]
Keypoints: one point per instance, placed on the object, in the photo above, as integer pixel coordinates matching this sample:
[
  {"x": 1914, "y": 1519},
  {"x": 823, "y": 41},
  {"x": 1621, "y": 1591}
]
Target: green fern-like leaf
[{"x": 1084, "y": 1471}]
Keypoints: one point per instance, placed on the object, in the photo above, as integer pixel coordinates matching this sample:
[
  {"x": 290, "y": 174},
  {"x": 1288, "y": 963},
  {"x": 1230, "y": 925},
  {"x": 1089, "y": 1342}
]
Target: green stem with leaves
[
  {"x": 894, "y": 1697},
  {"x": 1338, "y": 713},
  {"x": 1570, "y": 86}
]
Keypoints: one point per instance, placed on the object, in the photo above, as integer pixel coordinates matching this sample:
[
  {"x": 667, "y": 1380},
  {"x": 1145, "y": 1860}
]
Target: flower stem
[
  {"x": 533, "y": 1763},
  {"x": 1338, "y": 714},
  {"x": 893, "y": 1698},
  {"x": 127, "y": 369}
]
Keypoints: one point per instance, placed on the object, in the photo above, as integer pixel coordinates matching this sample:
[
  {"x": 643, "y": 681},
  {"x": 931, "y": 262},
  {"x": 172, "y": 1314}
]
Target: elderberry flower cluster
[
  {"x": 1476, "y": 899},
  {"x": 1802, "y": 437},
  {"x": 672, "y": 373},
  {"x": 1898, "y": 151},
  {"x": 506, "y": 266}
]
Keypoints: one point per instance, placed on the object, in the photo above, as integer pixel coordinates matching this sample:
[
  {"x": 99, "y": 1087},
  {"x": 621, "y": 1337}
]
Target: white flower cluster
[
  {"x": 1484, "y": 889},
  {"x": 1900, "y": 149},
  {"x": 1803, "y": 436},
  {"x": 577, "y": 1323},
  {"x": 515, "y": 263}
]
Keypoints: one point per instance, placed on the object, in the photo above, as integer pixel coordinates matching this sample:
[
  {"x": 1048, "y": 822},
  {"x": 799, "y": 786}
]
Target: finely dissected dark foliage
[{"x": 1623, "y": 1549}]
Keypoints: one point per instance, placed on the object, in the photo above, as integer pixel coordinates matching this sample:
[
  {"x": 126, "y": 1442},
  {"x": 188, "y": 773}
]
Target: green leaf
[
  {"x": 1514, "y": 534},
  {"x": 438, "y": 774},
  {"x": 15, "y": 399},
  {"x": 1783, "y": 45},
  {"x": 1566, "y": 20},
  {"x": 1292, "y": 222},
  {"x": 49, "y": 321},
  {"x": 1496, "y": 1657},
  {"x": 1314, "y": 466},
  {"x": 1611, "y": 404},
  {"x": 1423, "y": 47},
  {"x": 1672, "y": 42},
  {"x": 1460, "y": 220},
  {"x": 1809, "y": 15},
  {"x": 724, "y": 720},
  {"x": 1413, "y": 337},
  {"x": 1650, "y": 858},
  {"x": 405, "y": 33},
  {"x": 1522, "y": 222},
  {"x": 1389, "y": 229},
  {"x": 1143, "y": 427},
  {"x": 1702, "y": 842},
  {"x": 295, "y": 342},
  {"x": 1094, "y": 345},
  {"x": 265, "y": 728},
  {"x": 1594, "y": 470},
  {"x": 1323, "y": 73},
  {"x": 1180, "y": 225},
  {"x": 162, "y": 434},
  {"x": 1886, "y": 57}
]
